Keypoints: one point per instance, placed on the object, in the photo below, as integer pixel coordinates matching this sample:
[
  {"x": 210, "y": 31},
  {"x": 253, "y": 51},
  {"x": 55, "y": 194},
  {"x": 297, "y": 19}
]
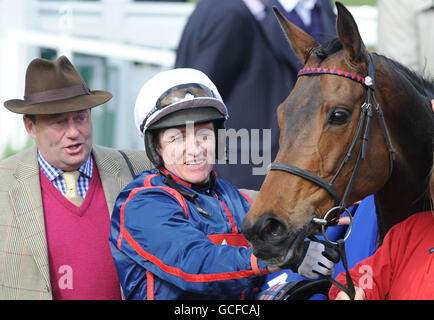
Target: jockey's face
[{"x": 188, "y": 152}]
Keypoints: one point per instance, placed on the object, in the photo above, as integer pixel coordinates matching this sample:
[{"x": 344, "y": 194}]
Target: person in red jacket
[{"x": 403, "y": 267}]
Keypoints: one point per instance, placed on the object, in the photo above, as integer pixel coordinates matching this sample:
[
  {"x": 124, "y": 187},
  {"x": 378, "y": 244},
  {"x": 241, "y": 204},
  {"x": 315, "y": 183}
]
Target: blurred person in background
[
  {"x": 405, "y": 33},
  {"x": 239, "y": 44}
]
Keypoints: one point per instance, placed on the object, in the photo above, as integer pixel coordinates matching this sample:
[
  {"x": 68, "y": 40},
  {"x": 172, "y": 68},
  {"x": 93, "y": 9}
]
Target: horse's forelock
[{"x": 328, "y": 48}]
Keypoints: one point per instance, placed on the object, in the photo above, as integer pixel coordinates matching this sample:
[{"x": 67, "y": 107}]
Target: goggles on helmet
[{"x": 177, "y": 94}]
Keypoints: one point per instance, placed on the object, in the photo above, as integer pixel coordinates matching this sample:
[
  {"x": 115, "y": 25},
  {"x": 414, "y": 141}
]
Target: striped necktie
[{"x": 71, "y": 179}]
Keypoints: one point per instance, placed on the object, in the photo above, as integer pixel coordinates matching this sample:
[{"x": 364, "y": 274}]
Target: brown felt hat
[{"x": 55, "y": 87}]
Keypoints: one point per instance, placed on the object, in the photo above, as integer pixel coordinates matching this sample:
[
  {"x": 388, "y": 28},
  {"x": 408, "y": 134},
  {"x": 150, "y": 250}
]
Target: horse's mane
[{"x": 424, "y": 85}]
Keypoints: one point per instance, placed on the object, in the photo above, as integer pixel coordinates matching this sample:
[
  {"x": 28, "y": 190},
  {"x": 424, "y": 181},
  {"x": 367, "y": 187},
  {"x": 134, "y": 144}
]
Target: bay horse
[{"x": 356, "y": 123}]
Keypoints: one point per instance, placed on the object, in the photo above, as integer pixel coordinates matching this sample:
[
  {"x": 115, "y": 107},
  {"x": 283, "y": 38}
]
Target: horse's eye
[{"x": 338, "y": 116}]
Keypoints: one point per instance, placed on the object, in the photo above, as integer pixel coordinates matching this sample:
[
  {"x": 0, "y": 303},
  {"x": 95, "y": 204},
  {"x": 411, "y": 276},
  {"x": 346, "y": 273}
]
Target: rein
[{"x": 362, "y": 132}]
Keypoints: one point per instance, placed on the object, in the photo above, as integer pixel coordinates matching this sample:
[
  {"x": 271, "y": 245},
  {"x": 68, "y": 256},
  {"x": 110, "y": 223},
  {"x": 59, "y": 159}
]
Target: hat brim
[
  {"x": 86, "y": 101},
  {"x": 183, "y": 116}
]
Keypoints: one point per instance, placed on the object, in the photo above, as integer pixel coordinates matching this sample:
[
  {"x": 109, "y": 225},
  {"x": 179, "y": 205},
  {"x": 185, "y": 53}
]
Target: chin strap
[{"x": 189, "y": 195}]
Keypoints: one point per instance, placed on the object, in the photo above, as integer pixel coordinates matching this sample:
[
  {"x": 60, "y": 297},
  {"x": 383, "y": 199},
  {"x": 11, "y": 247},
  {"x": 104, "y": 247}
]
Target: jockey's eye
[{"x": 337, "y": 116}]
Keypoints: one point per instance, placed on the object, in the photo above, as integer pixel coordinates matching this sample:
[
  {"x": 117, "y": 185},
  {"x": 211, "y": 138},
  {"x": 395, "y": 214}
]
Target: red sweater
[
  {"x": 403, "y": 267},
  {"x": 81, "y": 264}
]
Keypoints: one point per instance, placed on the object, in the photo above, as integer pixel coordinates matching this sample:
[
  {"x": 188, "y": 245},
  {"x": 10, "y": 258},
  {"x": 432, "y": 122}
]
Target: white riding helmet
[{"x": 174, "y": 97}]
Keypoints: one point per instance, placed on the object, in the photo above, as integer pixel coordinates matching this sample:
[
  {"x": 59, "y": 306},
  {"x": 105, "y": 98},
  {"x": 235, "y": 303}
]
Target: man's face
[
  {"x": 64, "y": 139},
  {"x": 188, "y": 152}
]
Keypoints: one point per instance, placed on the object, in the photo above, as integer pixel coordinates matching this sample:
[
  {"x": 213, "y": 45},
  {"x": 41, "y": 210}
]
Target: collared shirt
[
  {"x": 302, "y": 7},
  {"x": 53, "y": 174},
  {"x": 256, "y": 7}
]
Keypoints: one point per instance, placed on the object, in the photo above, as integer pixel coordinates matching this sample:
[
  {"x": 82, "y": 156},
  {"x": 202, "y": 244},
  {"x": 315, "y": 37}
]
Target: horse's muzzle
[{"x": 271, "y": 240}]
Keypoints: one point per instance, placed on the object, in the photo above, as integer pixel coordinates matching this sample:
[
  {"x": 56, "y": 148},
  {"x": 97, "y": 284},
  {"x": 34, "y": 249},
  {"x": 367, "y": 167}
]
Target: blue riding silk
[
  {"x": 361, "y": 244},
  {"x": 163, "y": 247}
]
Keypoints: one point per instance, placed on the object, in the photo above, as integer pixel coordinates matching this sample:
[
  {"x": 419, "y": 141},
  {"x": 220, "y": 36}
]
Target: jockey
[{"x": 176, "y": 229}]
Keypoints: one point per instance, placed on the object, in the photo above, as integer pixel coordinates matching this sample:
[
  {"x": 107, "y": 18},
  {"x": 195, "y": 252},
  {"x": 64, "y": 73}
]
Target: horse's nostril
[
  {"x": 272, "y": 229},
  {"x": 268, "y": 236},
  {"x": 268, "y": 228}
]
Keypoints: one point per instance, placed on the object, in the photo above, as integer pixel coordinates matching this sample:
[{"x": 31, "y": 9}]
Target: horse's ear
[
  {"x": 349, "y": 34},
  {"x": 301, "y": 42}
]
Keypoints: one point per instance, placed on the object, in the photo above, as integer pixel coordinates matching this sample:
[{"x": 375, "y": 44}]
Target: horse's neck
[
  {"x": 410, "y": 125},
  {"x": 405, "y": 193},
  {"x": 399, "y": 199}
]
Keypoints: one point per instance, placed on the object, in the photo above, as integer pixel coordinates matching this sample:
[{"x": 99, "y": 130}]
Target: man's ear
[
  {"x": 30, "y": 126},
  {"x": 157, "y": 148}
]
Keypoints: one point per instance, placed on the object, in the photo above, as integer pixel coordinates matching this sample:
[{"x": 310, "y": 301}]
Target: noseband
[{"x": 362, "y": 131}]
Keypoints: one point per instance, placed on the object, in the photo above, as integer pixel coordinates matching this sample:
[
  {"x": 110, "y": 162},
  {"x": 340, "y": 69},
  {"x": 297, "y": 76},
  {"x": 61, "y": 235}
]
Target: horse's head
[{"x": 318, "y": 122}]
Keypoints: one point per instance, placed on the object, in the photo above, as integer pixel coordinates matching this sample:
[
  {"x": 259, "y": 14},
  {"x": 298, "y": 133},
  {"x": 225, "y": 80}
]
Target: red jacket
[{"x": 403, "y": 267}]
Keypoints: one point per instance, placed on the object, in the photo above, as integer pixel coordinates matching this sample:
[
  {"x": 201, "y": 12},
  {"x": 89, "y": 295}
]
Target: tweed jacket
[{"x": 24, "y": 267}]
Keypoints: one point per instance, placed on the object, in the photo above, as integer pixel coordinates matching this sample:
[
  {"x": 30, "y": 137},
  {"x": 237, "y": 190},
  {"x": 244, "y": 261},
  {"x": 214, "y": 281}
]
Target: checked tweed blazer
[{"x": 24, "y": 268}]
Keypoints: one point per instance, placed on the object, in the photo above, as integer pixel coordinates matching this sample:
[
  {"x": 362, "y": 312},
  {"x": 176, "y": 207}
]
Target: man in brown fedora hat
[{"x": 57, "y": 196}]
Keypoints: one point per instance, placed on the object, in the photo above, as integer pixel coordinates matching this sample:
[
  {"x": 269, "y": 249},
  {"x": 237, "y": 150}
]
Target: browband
[{"x": 367, "y": 81}]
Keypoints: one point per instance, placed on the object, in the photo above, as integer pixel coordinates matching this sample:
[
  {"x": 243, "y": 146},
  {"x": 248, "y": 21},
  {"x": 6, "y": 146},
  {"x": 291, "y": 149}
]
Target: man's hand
[
  {"x": 318, "y": 258},
  {"x": 360, "y": 295}
]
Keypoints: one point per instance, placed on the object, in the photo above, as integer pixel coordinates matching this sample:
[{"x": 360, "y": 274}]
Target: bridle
[
  {"x": 363, "y": 125},
  {"x": 362, "y": 132}
]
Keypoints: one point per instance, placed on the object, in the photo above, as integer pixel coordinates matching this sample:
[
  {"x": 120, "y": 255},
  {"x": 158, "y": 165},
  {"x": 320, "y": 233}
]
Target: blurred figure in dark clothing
[{"x": 240, "y": 46}]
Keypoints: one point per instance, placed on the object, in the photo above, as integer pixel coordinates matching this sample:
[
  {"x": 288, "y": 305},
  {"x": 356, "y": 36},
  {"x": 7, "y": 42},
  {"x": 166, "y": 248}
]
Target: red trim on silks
[
  {"x": 337, "y": 72},
  {"x": 147, "y": 181},
  {"x": 178, "y": 272},
  {"x": 247, "y": 197},
  {"x": 124, "y": 234},
  {"x": 133, "y": 192},
  {"x": 229, "y": 214},
  {"x": 255, "y": 268},
  {"x": 150, "y": 285},
  {"x": 236, "y": 240},
  {"x": 148, "y": 184},
  {"x": 215, "y": 173},
  {"x": 183, "y": 182}
]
